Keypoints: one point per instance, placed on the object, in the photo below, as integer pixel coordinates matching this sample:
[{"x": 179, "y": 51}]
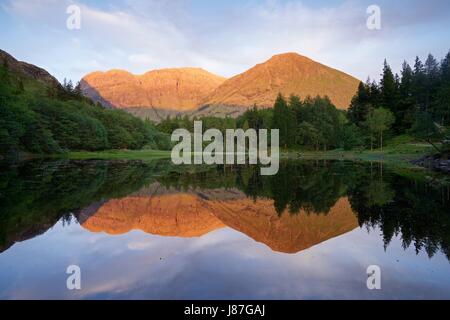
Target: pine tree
[
  {"x": 69, "y": 86},
  {"x": 405, "y": 110},
  {"x": 360, "y": 105},
  {"x": 77, "y": 89},
  {"x": 419, "y": 84},
  {"x": 375, "y": 97},
  {"x": 388, "y": 88},
  {"x": 284, "y": 121},
  {"x": 432, "y": 79},
  {"x": 443, "y": 92}
]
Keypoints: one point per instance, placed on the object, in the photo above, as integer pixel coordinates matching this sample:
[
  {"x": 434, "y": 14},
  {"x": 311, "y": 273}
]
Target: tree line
[
  {"x": 416, "y": 101},
  {"x": 43, "y": 120},
  {"x": 313, "y": 123}
]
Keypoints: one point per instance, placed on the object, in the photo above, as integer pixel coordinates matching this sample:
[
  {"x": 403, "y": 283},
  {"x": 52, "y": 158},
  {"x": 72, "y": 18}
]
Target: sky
[{"x": 223, "y": 37}]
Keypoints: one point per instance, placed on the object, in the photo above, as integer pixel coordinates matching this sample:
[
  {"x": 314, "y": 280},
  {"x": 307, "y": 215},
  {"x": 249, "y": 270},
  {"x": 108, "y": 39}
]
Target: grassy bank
[
  {"x": 395, "y": 153},
  {"x": 404, "y": 153},
  {"x": 399, "y": 151},
  {"x": 116, "y": 155}
]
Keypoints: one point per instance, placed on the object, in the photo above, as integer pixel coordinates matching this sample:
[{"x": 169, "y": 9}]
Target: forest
[{"x": 41, "y": 119}]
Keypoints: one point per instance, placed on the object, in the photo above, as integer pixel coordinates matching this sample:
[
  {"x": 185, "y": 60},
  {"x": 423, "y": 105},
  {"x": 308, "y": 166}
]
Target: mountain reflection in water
[
  {"x": 305, "y": 204},
  {"x": 191, "y": 215}
]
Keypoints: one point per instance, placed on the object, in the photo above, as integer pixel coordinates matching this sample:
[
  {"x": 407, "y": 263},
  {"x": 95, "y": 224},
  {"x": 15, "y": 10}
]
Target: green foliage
[
  {"x": 325, "y": 118},
  {"x": 419, "y": 99},
  {"x": 360, "y": 105},
  {"x": 378, "y": 121},
  {"x": 283, "y": 120},
  {"x": 426, "y": 129},
  {"x": 389, "y": 88},
  {"x": 313, "y": 123},
  {"x": 351, "y": 137},
  {"x": 59, "y": 119},
  {"x": 308, "y": 135}
]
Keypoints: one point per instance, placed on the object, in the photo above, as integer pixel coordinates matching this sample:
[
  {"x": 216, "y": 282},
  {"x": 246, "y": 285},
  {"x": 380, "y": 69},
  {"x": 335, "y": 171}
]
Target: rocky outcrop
[
  {"x": 179, "y": 89},
  {"x": 435, "y": 162}
]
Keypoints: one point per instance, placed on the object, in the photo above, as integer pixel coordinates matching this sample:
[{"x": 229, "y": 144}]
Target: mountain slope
[
  {"x": 27, "y": 70},
  {"x": 180, "y": 89},
  {"x": 39, "y": 116},
  {"x": 288, "y": 73}
]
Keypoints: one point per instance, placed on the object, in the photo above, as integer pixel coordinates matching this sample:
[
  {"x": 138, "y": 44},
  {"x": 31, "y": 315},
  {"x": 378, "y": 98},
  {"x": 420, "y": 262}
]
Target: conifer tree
[
  {"x": 406, "y": 104},
  {"x": 284, "y": 121},
  {"x": 388, "y": 88},
  {"x": 443, "y": 92}
]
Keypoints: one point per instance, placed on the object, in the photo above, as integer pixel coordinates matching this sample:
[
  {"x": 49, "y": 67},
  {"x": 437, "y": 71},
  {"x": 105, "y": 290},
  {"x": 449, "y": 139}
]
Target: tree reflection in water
[{"x": 35, "y": 195}]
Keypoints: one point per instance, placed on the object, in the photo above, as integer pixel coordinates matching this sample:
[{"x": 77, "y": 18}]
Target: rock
[{"x": 179, "y": 89}]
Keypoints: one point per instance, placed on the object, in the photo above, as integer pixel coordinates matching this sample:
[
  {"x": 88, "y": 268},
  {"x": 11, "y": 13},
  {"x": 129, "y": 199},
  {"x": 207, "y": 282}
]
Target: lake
[{"x": 151, "y": 230}]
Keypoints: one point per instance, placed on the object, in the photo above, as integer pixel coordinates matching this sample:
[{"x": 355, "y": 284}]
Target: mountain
[
  {"x": 196, "y": 92},
  {"x": 179, "y": 89},
  {"x": 27, "y": 70},
  {"x": 288, "y": 73}
]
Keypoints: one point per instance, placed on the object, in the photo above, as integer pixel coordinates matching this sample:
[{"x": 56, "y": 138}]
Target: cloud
[
  {"x": 28, "y": 8},
  {"x": 226, "y": 38}
]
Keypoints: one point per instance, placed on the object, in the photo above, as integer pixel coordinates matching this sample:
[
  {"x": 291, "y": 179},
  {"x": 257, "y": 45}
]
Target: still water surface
[{"x": 154, "y": 231}]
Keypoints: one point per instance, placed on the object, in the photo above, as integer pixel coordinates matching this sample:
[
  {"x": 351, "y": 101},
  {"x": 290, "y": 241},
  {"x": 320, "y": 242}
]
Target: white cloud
[{"x": 140, "y": 35}]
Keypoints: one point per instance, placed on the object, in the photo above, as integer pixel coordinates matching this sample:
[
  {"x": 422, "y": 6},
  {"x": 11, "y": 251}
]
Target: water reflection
[
  {"x": 308, "y": 204},
  {"x": 196, "y": 213}
]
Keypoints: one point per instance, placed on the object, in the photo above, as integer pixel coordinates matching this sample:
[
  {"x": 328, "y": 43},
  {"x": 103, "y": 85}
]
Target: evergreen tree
[
  {"x": 360, "y": 105},
  {"x": 77, "y": 89},
  {"x": 419, "y": 84},
  {"x": 442, "y": 107},
  {"x": 375, "y": 95},
  {"x": 283, "y": 120},
  {"x": 406, "y": 104},
  {"x": 388, "y": 87},
  {"x": 69, "y": 86},
  {"x": 432, "y": 79}
]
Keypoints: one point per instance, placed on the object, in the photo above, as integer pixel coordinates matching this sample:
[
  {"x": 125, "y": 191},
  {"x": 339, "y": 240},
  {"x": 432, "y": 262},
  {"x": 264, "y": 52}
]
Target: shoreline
[{"x": 406, "y": 155}]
